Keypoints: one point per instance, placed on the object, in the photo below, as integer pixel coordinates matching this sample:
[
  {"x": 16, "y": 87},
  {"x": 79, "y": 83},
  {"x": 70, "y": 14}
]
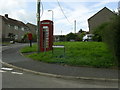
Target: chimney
[{"x": 6, "y": 15}]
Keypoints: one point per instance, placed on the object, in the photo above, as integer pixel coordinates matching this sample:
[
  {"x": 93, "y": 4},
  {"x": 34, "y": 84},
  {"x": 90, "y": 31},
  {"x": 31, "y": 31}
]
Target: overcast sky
[{"x": 79, "y": 10}]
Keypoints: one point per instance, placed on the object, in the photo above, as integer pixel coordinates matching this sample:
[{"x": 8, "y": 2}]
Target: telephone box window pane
[
  {"x": 45, "y": 37},
  {"x": 45, "y": 27},
  {"x": 45, "y": 23}
]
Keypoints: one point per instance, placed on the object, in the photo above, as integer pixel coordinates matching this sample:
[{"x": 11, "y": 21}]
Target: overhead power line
[{"x": 63, "y": 12}]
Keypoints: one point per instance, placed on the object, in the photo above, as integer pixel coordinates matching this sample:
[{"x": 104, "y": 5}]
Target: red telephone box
[{"x": 46, "y": 35}]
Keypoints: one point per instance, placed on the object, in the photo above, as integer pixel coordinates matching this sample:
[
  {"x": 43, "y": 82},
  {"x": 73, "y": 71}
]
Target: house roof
[
  {"x": 105, "y": 8},
  {"x": 13, "y": 21},
  {"x": 31, "y": 24}
]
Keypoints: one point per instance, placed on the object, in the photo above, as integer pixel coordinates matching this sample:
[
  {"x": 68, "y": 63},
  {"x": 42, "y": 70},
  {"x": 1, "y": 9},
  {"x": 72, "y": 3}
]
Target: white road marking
[
  {"x": 16, "y": 73},
  {"x": 2, "y": 71},
  {"x": 8, "y": 69}
]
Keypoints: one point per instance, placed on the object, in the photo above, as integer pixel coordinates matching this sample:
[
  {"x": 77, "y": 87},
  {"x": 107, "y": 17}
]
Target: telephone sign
[{"x": 46, "y": 35}]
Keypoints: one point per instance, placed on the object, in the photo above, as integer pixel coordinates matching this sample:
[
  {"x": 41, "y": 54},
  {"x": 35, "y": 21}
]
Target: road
[
  {"x": 11, "y": 79},
  {"x": 10, "y": 53}
]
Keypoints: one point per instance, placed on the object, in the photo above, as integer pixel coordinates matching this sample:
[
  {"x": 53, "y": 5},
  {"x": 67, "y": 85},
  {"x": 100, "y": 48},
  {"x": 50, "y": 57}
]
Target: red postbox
[
  {"x": 46, "y": 35},
  {"x": 30, "y": 36}
]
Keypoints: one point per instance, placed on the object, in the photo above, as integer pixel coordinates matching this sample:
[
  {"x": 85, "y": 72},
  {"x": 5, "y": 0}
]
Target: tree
[
  {"x": 62, "y": 38},
  {"x": 11, "y": 36},
  {"x": 24, "y": 39},
  {"x": 80, "y": 36},
  {"x": 71, "y": 36},
  {"x": 80, "y": 31}
]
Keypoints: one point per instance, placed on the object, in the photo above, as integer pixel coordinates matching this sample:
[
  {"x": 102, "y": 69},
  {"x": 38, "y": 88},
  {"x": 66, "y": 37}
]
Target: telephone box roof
[{"x": 47, "y": 21}]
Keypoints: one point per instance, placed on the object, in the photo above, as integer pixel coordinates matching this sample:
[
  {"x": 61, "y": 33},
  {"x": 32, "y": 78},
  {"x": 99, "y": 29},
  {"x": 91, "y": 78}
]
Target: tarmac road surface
[{"x": 19, "y": 79}]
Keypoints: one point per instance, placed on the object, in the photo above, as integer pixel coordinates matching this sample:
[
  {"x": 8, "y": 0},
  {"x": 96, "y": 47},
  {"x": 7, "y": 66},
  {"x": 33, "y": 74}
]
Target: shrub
[
  {"x": 110, "y": 33},
  {"x": 112, "y": 36},
  {"x": 99, "y": 32}
]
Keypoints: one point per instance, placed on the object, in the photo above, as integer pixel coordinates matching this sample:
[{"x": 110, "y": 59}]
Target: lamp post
[
  {"x": 38, "y": 24},
  {"x": 52, "y": 13}
]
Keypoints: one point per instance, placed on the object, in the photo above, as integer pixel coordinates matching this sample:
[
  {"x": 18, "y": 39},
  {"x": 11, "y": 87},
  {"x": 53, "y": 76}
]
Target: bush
[
  {"x": 110, "y": 34},
  {"x": 24, "y": 39},
  {"x": 34, "y": 38},
  {"x": 99, "y": 32}
]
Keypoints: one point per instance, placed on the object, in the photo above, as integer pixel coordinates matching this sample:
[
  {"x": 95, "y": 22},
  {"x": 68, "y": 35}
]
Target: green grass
[
  {"x": 95, "y": 54},
  {"x": 28, "y": 49},
  {"x": 5, "y": 43}
]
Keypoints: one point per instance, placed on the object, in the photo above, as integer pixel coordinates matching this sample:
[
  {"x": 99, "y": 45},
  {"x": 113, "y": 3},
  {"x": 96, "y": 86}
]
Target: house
[
  {"x": 12, "y": 29},
  {"x": 33, "y": 28},
  {"x": 0, "y": 29},
  {"x": 104, "y": 15}
]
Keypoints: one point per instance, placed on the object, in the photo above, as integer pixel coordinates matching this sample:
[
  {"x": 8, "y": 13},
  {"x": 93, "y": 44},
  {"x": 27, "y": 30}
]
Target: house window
[
  {"x": 9, "y": 25},
  {"x": 19, "y": 28},
  {"x": 22, "y": 29},
  {"x": 26, "y": 29},
  {"x": 16, "y": 37},
  {"x": 16, "y": 27},
  {"x": 22, "y": 36}
]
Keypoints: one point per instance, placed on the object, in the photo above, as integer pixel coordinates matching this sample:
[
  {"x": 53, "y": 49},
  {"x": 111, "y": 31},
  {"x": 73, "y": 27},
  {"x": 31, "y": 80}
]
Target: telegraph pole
[
  {"x": 38, "y": 24},
  {"x": 119, "y": 8}
]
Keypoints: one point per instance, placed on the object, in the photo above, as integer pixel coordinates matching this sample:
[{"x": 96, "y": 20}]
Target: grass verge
[
  {"x": 5, "y": 43},
  {"x": 93, "y": 54}
]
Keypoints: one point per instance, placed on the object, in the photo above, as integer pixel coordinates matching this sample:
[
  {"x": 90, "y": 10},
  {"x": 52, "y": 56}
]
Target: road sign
[{"x": 58, "y": 46}]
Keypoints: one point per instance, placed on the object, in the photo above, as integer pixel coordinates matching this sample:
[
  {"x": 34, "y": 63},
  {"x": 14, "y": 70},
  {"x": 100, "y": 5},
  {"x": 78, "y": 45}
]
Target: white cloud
[
  {"x": 74, "y": 10},
  {"x": 17, "y": 9},
  {"x": 81, "y": 13},
  {"x": 78, "y": 13},
  {"x": 73, "y": 0}
]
